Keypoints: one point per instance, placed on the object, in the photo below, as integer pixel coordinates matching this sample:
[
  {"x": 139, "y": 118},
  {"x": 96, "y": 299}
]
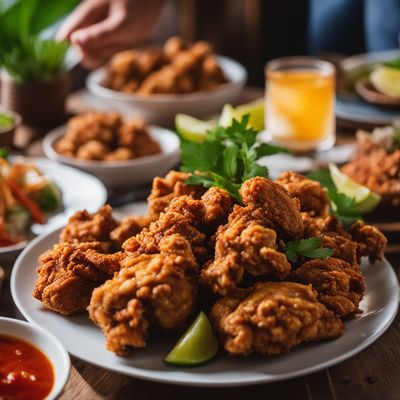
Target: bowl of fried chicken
[
  {"x": 158, "y": 82},
  {"x": 119, "y": 152}
]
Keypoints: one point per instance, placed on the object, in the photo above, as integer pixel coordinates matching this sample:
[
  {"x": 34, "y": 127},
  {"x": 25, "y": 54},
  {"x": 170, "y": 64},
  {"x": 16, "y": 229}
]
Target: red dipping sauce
[{"x": 25, "y": 372}]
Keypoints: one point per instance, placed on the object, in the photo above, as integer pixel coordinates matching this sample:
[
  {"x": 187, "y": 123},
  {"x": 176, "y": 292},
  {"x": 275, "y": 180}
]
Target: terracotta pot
[{"x": 38, "y": 103}]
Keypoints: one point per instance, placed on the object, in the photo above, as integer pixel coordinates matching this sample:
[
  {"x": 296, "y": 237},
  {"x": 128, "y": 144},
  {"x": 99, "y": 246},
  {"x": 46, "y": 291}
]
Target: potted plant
[{"x": 33, "y": 78}]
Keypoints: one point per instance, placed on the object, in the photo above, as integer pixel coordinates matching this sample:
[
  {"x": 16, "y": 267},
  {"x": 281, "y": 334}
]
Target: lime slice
[
  {"x": 197, "y": 345},
  {"x": 255, "y": 109},
  {"x": 387, "y": 81},
  {"x": 366, "y": 200},
  {"x": 192, "y": 129}
]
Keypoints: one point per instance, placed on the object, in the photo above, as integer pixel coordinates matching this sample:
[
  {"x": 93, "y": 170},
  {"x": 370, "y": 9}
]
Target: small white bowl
[
  {"x": 45, "y": 342},
  {"x": 123, "y": 173},
  {"x": 162, "y": 108}
]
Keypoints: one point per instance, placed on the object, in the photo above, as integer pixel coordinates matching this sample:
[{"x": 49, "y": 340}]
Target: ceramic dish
[
  {"x": 45, "y": 342},
  {"x": 79, "y": 191},
  {"x": 162, "y": 108},
  {"x": 350, "y": 107},
  {"x": 123, "y": 173},
  {"x": 86, "y": 341}
]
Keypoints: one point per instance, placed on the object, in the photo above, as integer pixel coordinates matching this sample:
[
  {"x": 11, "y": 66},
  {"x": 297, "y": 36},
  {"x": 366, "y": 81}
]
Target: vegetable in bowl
[{"x": 26, "y": 197}]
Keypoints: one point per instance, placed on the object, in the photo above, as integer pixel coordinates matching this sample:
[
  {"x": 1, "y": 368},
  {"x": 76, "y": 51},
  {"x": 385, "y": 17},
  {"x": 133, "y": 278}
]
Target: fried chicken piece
[
  {"x": 247, "y": 244},
  {"x": 243, "y": 248},
  {"x": 370, "y": 240},
  {"x": 86, "y": 227},
  {"x": 68, "y": 273},
  {"x": 312, "y": 196},
  {"x": 280, "y": 210},
  {"x": 129, "y": 227},
  {"x": 333, "y": 236},
  {"x": 149, "y": 289},
  {"x": 271, "y": 318},
  {"x": 191, "y": 218},
  {"x": 166, "y": 189},
  {"x": 361, "y": 240},
  {"x": 340, "y": 287}
]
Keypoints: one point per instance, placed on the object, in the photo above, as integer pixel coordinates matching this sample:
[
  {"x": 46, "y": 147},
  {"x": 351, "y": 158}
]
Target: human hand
[{"x": 100, "y": 28}]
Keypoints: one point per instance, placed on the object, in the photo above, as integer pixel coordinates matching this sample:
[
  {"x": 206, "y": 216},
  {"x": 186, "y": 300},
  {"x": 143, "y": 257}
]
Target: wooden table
[{"x": 372, "y": 374}]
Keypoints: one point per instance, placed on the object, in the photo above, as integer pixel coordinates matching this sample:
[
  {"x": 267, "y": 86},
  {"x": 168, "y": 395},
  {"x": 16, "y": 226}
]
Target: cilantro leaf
[
  {"x": 310, "y": 248},
  {"x": 393, "y": 63},
  {"x": 226, "y": 158}
]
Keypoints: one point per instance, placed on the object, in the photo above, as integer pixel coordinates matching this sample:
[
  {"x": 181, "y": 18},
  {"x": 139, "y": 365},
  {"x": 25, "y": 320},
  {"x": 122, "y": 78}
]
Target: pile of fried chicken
[
  {"x": 101, "y": 136},
  {"x": 197, "y": 249},
  {"x": 377, "y": 163},
  {"x": 177, "y": 67}
]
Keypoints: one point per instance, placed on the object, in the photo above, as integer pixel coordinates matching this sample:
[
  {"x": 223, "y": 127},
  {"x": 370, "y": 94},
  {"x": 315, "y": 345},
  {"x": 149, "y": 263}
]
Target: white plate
[
  {"x": 79, "y": 191},
  {"x": 47, "y": 343},
  {"x": 161, "y": 108},
  {"x": 85, "y": 341},
  {"x": 123, "y": 173},
  {"x": 351, "y": 107}
]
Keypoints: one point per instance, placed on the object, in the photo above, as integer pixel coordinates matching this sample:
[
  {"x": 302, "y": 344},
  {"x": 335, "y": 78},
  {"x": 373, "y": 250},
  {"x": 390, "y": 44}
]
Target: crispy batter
[
  {"x": 86, "y": 227},
  {"x": 340, "y": 287},
  {"x": 271, "y": 318},
  {"x": 166, "y": 189},
  {"x": 247, "y": 243},
  {"x": 312, "y": 196},
  {"x": 158, "y": 288},
  {"x": 281, "y": 212},
  {"x": 68, "y": 273},
  {"x": 371, "y": 242},
  {"x": 104, "y": 136},
  {"x": 178, "y": 67},
  {"x": 188, "y": 217},
  {"x": 377, "y": 168}
]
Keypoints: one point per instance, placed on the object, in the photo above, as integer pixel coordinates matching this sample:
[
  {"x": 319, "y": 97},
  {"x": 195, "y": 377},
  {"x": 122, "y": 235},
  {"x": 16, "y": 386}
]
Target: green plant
[{"x": 25, "y": 54}]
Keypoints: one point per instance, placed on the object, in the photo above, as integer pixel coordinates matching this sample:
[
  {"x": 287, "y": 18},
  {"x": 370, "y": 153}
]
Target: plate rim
[{"x": 191, "y": 380}]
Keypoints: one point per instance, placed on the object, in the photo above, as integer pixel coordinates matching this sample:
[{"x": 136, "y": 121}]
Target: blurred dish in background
[{"x": 356, "y": 73}]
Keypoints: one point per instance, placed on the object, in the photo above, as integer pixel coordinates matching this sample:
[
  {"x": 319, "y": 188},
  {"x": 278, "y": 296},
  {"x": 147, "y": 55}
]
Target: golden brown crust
[{"x": 271, "y": 318}]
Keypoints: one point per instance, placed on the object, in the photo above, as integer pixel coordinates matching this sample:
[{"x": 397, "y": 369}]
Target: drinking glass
[{"x": 300, "y": 103}]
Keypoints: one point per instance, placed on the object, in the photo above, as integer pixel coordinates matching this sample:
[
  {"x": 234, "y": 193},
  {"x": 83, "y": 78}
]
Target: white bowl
[
  {"x": 45, "y": 342},
  {"x": 123, "y": 173},
  {"x": 162, "y": 108}
]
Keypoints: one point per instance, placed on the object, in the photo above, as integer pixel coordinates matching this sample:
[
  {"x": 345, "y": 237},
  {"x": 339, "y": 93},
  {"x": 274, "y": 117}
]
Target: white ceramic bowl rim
[
  {"x": 61, "y": 378},
  {"x": 13, "y": 247},
  {"x": 234, "y": 71},
  {"x": 50, "y": 139}
]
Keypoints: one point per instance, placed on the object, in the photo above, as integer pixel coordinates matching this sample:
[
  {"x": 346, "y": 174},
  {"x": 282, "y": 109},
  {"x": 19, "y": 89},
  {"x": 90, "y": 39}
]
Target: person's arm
[{"x": 99, "y": 28}]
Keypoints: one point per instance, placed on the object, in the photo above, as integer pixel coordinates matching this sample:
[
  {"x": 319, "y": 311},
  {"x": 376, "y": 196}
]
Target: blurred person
[{"x": 100, "y": 28}]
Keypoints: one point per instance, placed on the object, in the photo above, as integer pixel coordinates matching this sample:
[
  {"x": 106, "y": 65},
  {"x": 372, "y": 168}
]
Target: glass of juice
[{"x": 300, "y": 103}]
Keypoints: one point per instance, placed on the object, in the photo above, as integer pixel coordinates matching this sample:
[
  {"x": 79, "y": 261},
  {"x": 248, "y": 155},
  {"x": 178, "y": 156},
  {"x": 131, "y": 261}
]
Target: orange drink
[{"x": 300, "y": 103}]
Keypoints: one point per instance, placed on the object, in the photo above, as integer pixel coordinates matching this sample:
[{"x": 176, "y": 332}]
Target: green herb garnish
[
  {"x": 6, "y": 120},
  {"x": 310, "y": 248},
  {"x": 393, "y": 63},
  {"x": 227, "y": 157},
  {"x": 4, "y": 153},
  {"x": 341, "y": 205}
]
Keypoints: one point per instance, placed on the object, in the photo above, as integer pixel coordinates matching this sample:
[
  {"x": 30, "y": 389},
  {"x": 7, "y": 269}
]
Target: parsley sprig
[
  {"x": 341, "y": 205},
  {"x": 310, "y": 248},
  {"x": 227, "y": 157}
]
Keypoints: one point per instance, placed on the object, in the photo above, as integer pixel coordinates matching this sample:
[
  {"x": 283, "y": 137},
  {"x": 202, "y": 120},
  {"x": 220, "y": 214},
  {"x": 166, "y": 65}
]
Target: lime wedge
[
  {"x": 366, "y": 200},
  {"x": 197, "y": 345},
  {"x": 387, "y": 80},
  {"x": 192, "y": 129},
  {"x": 255, "y": 109}
]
